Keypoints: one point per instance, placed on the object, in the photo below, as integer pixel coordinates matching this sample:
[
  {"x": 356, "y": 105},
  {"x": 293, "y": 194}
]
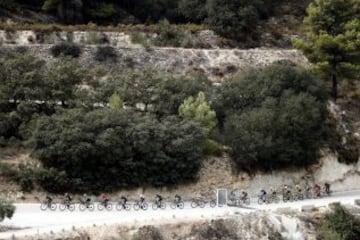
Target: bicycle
[
  {"x": 137, "y": 205},
  {"x": 105, "y": 205},
  {"x": 121, "y": 205},
  {"x": 67, "y": 205},
  {"x": 308, "y": 194},
  {"x": 298, "y": 196},
  {"x": 197, "y": 202},
  {"x": 212, "y": 203},
  {"x": 83, "y": 205},
  {"x": 234, "y": 201},
  {"x": 288, "y": 197},
  {"x": 158, "y": 204},
  {"x": 245, "y": 200},
  {"x": 274, "y": 198},
  {"x": 48, "y": 205},
  {"x": 263, "y": 199},
  {"x": 177, "y": 204}
]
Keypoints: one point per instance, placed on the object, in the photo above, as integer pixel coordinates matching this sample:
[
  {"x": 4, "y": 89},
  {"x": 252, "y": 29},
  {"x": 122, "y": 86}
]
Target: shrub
[
  {"x": 340, "y": 224},
  {"x": 274, "y": 118},
  {"x": 85, "y": 147},
  {"x": 106, "y": 53},
  {"x": 65, "y": 49},
  {"x": 6, "y": 210},
  {"x": 168, "y": 35}
]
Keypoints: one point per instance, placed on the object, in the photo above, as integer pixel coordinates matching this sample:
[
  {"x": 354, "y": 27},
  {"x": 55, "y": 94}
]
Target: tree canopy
[
  {"x": 333, "y": 40},
  {"x": 273, "y": 117}
]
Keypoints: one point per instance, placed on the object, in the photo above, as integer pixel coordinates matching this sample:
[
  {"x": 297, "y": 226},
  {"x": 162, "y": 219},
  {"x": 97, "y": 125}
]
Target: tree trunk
[{"x": 334, "y": 86}]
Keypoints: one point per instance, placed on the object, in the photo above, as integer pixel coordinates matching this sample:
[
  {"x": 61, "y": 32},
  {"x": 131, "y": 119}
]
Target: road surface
[{"x": 32, "y": 220}]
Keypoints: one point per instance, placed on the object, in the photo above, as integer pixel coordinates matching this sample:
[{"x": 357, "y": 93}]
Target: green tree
[
  {"x": 21, "y": 85},
  {"x": 274, "y": 117},
  {"x": 232, "y": 18},
  {"x": 173, "y": 92},
  {"x": 193, "y": 10},
  {"x": 199, "y": 110},
  {"x": 116, "y": 102},
  {"x": 63, "y": 79},
  {"x": 333, "y": 39},
  {"x": 82, "y": 147},
  {"x": 6, "y": 210}
]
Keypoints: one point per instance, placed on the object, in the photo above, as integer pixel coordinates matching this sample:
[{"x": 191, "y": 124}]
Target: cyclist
[
  {"x": 308, "y": 190},
  {"x": 158, "y": 199},
  {"x": 232, "y": 196},
  {"x": 263, "y": 194},
  {"x": 49, "y": 200},
  {"x": 177, "y": 198},
  {"x": 286, "y": 192},
  {"x": 142, "y": 198},
  {"x": 273, "y": 192},
  {"x": 327, "y": 188},
  {"x": 104, "y": 200},
  {"x": 317, "y": 190},
  {"x": 244, "y": 195},
  {"x": 86, "y": 200}
]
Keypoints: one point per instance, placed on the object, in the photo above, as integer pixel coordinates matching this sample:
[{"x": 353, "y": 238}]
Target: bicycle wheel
[
  {"x": 213, "y": 203},
  {"x": 43, "y": 206},
  {"x": 82, "y": 207},
  {"x": 260, "y": 201},
  {"x": 109, "y": 206},
  {"x": 144, "y": 206},
  {"x": 119, "y": 207},
  {"x": 91, "y": 207},
  {"x": 154, "y": 206},
  {"x": 136, "y": 206},
  {"x": 173, "y": 205},
  {"x": 100, "y": 207},
  {"x": 181, "y": 205},
  {"x": 291, "y": 198},
  {"x": 194, "y": 204},
  {"x": 127, "y": 207},
  {"x": 53, "y": 207},
  {"x": 163, "y": 205},
  {"x": 62, "y": 207},
  {"x": 71, "y": 207},
  {"x": 202, "y": 203}
]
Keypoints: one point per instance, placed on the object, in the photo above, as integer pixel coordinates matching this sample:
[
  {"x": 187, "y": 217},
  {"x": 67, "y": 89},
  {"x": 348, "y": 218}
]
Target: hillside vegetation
[{"x": 93, "y": 130}]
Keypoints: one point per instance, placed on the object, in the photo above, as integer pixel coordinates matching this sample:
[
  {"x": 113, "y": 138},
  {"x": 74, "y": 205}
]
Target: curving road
[{"x": 32, "y": 220}]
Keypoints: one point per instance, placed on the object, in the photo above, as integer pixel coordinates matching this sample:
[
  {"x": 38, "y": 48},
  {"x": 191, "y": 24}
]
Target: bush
[
  {"x": 106, "y": 53},
  {"x": 6, "y": 210},
  {"x": 340, "y": 224},
  {"x": 65, "y": 49},
  {"x": 168, "y": 35},
  {"x": 274, "y": 118},
  {"x": 91, "y": 150},
  {"x": 233, "y": 18}
]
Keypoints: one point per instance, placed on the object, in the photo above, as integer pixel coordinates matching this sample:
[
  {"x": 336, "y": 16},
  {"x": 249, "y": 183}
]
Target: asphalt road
[{"x": 33, "y": 220}]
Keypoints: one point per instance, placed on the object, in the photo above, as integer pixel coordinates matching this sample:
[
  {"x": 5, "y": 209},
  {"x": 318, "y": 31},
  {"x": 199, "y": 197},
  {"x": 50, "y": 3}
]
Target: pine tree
[
  {"x": 333, "y": 40},
  {"x": 199, "y": 110}
]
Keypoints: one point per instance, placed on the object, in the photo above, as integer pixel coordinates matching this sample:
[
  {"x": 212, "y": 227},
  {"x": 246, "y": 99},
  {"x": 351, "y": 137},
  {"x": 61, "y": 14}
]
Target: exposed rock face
[
  {"x": 148, "y": 233},
  {"x": 260, "y": 225},
  {"x": 214, "y": 63}
]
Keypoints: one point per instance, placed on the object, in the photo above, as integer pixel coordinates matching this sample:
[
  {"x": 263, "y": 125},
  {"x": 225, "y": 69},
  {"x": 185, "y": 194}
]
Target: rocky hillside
[{"x": 214, "y": 63}]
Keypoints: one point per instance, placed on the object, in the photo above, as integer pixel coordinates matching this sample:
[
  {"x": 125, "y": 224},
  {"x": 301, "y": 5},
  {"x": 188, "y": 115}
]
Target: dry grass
[{"x": 41, "y": 27}]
